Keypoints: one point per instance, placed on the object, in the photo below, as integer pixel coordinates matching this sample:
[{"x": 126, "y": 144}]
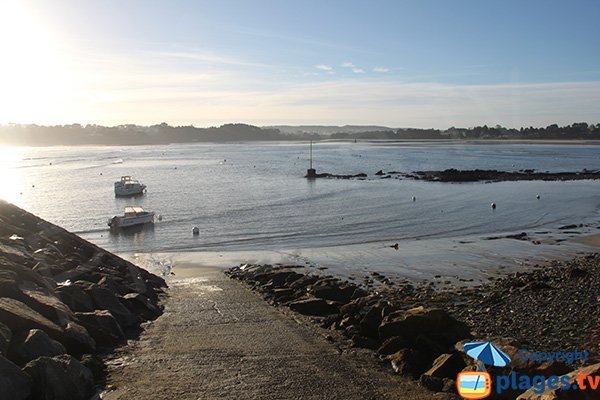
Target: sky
[{"x": 398, "y": 63}]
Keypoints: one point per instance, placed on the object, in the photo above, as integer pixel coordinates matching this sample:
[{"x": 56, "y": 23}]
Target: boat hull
[
  {"x": 129, "y": 190},
  {"x": 124, "y": 222}
]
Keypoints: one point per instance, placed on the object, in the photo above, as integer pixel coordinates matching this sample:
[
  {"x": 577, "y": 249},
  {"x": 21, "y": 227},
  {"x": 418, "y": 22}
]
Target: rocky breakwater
[
  {"x": 63, "y": 302},
  {"x": 413, "y": 340}
]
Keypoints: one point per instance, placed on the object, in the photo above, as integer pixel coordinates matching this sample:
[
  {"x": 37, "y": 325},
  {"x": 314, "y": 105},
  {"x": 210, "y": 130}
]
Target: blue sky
[{"x": 398, "y": 63}]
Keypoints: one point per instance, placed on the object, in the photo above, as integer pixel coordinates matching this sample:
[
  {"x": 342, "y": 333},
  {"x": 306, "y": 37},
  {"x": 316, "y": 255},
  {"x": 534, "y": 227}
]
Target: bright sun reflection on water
[{"x": 12, "y": 182}]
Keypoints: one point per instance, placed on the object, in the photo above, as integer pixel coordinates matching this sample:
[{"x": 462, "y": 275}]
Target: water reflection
[{"x": 133, "y": 235}]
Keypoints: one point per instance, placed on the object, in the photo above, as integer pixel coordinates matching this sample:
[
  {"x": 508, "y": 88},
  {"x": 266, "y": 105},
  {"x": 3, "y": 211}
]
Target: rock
[
  {"x": 77, "y": 339},
  {"x": 24, "y": 273},
  {"x": 592, "y": 371},
  {"x": 329, "y": 290},
  {"x": 95, "y": 365},
  {"x": 87, "y": 272},
  {"x": 369, "y": 324},
  {"x": 61, "y": 377},
  {"x": 46, "y": 303},
  {"x": 102, "y": 326},
  {"x": 282, "y": 295},
  {"x": 575, "y": 273},
  {"x": 75, "y": 297},
  {"x": 379, "y": 173},
  {"x": 9, "y": 281},
  {"x": 446, "y": 366},
  {"x": 364, "y": 342},
  {"x": 419, "y": 321},
  {"x": 408, "y": 362},
  {"x": 32, "y": 344},
  {"x": 433, "y": 383},
  {"x": 17, "y": 316},
  {"x": 318, "y": 307},
  {"x": 104, "y": 299},
  {"x": 141, "y": 305},
  {"x": 14, "y": 383},
  {"x": 393, "y": 345},
  {"x": 5, "y": 337}
]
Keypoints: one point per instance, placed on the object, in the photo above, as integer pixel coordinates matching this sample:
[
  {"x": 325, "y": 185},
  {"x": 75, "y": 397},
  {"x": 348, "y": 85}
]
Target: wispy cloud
[
  {"x": 324, "y": 67},
  {"x": 353, "y": 67},
  {"x": 148, "y": 88},
  {"x": 205, "y": 57},
  {"x": 382, "y": 70}
]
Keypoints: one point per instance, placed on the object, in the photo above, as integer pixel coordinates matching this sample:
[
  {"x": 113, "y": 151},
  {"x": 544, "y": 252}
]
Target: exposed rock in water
[{"x": 454, "y": 175}]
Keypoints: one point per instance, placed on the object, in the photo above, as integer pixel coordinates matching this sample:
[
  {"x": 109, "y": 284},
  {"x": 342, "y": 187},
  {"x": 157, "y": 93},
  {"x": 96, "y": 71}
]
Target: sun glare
[
  {"x": 11, "y": 178},
  {"x": 31, "y": 78}
]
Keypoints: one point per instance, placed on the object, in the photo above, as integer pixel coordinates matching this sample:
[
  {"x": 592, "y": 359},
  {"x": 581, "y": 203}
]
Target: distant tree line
[{"x": 76, "y": 134}]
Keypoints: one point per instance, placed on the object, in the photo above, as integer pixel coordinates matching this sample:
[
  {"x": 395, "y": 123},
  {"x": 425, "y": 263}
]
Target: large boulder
[
  {"x": 141, "y": 305},
  {"x": 102, "y": 326},
  {"x": 32, "y": 344},
  {"x": 61, "y": 377},
  {"x": 18, "y": 316},
  {"x": 330, "y": 289},
  {"x": 46, "y": 303},
  {"x": 421, "y": 321},
  {"x": 75, "y": 297},
  {"x": 14, "y": 383},
  {"x": 77, "y": 339},
  {"x": 317, "y": 307},
  {"x": 104, "y": 299}
]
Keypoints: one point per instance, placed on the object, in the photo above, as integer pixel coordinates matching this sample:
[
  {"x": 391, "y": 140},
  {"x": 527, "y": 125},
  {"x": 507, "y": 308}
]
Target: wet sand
[{"x": 217, "y": 339}]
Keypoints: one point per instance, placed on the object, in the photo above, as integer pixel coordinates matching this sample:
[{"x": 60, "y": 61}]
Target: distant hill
[
  {"x": 76, "y": 134},
  {"x": 327, "y": 129}
]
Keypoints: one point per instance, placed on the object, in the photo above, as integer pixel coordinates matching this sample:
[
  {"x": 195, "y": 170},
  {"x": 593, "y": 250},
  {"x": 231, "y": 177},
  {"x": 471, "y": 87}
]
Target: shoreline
[{"x": 462, "y": 261}]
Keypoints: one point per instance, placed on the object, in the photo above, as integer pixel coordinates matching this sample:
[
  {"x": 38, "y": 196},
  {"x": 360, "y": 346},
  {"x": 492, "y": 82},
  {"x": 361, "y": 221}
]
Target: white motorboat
[
  {"x": 128, "y": 187},
  {"x": 133, "y": 216}
]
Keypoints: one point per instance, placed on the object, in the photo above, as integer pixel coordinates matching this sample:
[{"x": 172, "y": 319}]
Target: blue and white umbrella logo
[{"x": 486, "y": 353}]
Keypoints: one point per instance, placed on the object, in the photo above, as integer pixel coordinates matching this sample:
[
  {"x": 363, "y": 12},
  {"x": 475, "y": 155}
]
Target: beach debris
[
  {"x": 493, "y": 206},
  {"x": 395, "y": 246},
  {"x": 14, "y": 236},
  {"x": 414, "y": 198},
  {"x": 537, "y": 196},
  {"x": 195, "y": 231}
]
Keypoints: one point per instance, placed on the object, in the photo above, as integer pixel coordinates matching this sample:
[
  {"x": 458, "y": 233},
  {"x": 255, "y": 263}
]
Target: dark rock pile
[
  {"x": 63, "y": 301},
  {"x": 455, "y": 175}
]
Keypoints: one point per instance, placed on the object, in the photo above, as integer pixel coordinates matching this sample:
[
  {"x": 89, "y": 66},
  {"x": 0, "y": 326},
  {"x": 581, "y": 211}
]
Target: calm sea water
[{"x": 252, "y": 196}]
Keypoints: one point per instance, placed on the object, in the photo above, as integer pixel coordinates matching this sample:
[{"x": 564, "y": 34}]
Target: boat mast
[{"x": 311, "y": 154}]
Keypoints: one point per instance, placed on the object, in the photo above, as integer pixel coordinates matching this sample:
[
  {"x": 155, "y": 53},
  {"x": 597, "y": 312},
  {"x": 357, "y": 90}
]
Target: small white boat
[
  {"x": 133, "y": 216},
  {"x": 128, "y": 187}
]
